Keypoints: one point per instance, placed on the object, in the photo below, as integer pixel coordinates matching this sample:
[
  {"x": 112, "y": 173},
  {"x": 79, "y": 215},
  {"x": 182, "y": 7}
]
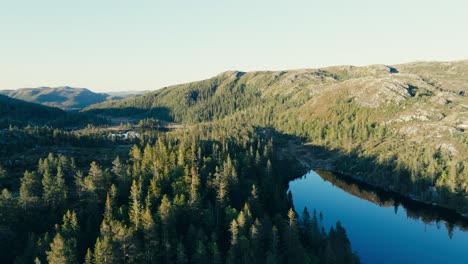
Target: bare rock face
[
  {"x": 448, "y": 148},
  {"x": 372, "y": 92}
]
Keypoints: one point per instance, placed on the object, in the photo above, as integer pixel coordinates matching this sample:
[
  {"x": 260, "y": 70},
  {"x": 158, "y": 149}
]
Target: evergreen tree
[
  {"x": 135, "y": 206},
  {"x": 88, "y": 257},
  {"x": 150, "y": 236},
  {"x": 104, "y": 251},
  {"x": 199, "y": 257},
  {"x": 3, "y": 175},
  {"x": 165, "y": 214},
  {"x": 117, "y": 167},
  {"x": 60, "y": 252},
  {"x": 194, "y": 188},
  {"x": 181, "y": 256},
  {"x": 54, "y": 190},
  {"x": 126, "y": 244},
  {"x": 30, "y": 189}
]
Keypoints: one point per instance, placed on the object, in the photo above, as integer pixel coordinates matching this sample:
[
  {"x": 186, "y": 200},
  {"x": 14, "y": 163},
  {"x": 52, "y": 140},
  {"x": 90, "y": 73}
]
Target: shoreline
[{"x": 404, "y": 200}]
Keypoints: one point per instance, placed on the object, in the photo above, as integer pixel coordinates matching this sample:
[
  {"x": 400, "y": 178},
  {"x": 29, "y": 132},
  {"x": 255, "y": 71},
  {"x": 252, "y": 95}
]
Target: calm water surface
[{"x": 382, "y": 228}]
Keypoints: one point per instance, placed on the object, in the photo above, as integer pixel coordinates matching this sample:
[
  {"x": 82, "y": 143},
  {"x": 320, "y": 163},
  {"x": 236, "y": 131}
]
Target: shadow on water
[{"x": 415, "y": 210}]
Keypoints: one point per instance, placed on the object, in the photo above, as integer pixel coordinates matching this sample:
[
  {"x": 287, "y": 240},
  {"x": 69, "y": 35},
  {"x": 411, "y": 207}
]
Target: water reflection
[
  {"x": 384, "y": 227},
  {"x": 428, "y": 214}
]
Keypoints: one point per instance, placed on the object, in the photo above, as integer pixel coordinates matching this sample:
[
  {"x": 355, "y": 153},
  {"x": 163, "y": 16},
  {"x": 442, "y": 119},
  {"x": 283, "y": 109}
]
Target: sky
[{"x": 122, "y": 45}]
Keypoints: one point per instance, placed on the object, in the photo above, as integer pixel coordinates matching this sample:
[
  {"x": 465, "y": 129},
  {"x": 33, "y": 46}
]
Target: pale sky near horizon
[{"x": 117, "y": 45}]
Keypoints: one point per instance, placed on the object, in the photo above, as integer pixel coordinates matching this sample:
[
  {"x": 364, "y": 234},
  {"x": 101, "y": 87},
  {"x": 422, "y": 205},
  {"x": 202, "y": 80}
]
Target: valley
[
  {"x": 233, "y": 132},
  {"x": 199, "y": 172}
]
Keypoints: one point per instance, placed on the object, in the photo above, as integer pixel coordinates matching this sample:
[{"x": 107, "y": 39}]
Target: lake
[{"x": 383, "y": 227}]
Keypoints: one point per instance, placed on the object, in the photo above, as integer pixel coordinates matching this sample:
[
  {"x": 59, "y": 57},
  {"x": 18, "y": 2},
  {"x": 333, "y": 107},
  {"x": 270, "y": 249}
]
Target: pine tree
[
  {"x": 125, "y": 242},
  {"x": 199, "y": 257},
  {"x": 63, "y": 248},
  {"x": 54, "y": 189},
  {"x": 181, "y": 257},
  {"x": 306, "y": 227},
  {"x": 165, "y": 210},
  {"x": 181, "y": 153},
  {"x": 88, "y": 257},
  {"x": 135, "y": 206},
  {"x": 3, "y": 177},
  {"x": 150, "y": 235},
  {"x": 136, "y": 156},
  {"x": 254, "y": 236},
  {"x": 104, "y": 252},
  {"x": 117, "y": 167},
  {"x": 295, "y": 253},
  {"x": 70, "y": 227},
  {"x": 60, "y": 253},
  {"x": 165, "y": 213},
  {"x": 147, "y": 158},
  {"x": 30, "y": 189},
  {"x": 108, "y": 209},
  {"x": 274, "y": 243},
  {"x": 222, "y": 192},
  {"x": 291, "y": 224},
  {"x": 215, "y": 254},
  {"x": 194, "y": 188},
  {"x": 8, "y": 208},
  {"x": 96, "y": 175},
  {"x": 234, "y": 229}
]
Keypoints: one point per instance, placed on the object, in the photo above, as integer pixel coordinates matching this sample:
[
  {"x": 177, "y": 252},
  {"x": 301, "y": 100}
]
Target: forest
[{"x": 214, "y": 193}]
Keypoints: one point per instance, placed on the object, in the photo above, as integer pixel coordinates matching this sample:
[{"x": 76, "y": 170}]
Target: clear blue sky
[{"x": 137, "y": 45}]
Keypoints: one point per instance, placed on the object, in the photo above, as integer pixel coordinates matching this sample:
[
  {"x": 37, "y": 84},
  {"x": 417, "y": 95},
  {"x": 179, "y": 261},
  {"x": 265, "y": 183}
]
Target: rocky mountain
[
  {"x": 402, "y": 127},
  {"x": 67, "y": 98}
]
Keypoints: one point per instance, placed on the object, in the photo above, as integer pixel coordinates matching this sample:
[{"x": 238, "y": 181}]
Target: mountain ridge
[
  {"x": 64, "y": 97},
  {"x": 410, "y": 119}
]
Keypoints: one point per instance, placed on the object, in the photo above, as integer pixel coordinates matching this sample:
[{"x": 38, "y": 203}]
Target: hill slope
[
  {"x": 402, "y": 127},
  {"x": 17, "y": 111},
  {"x": 21, "y": 113},
  {"x": 67, "y": 98}
]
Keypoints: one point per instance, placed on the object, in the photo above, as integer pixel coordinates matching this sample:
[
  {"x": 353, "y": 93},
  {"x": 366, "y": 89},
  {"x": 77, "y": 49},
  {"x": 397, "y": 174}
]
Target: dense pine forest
[{"x": 213, "y": 193}]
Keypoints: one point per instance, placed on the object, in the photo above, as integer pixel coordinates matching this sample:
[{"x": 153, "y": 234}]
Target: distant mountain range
[{"x": 65, "y": 97}]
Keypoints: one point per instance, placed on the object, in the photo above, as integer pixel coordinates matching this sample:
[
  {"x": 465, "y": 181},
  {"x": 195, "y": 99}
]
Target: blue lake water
[{"x": 381, "y": 229}]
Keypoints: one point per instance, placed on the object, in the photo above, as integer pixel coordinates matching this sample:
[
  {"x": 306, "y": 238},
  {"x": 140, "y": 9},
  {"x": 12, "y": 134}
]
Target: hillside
[
  {"x": 452, "y": 76},
  {"x": 21, "y": 113},
  {"x": 401, "y": 127},
  {"x": 66, "y": 98},
  {"x": 16, "y": 111}
]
